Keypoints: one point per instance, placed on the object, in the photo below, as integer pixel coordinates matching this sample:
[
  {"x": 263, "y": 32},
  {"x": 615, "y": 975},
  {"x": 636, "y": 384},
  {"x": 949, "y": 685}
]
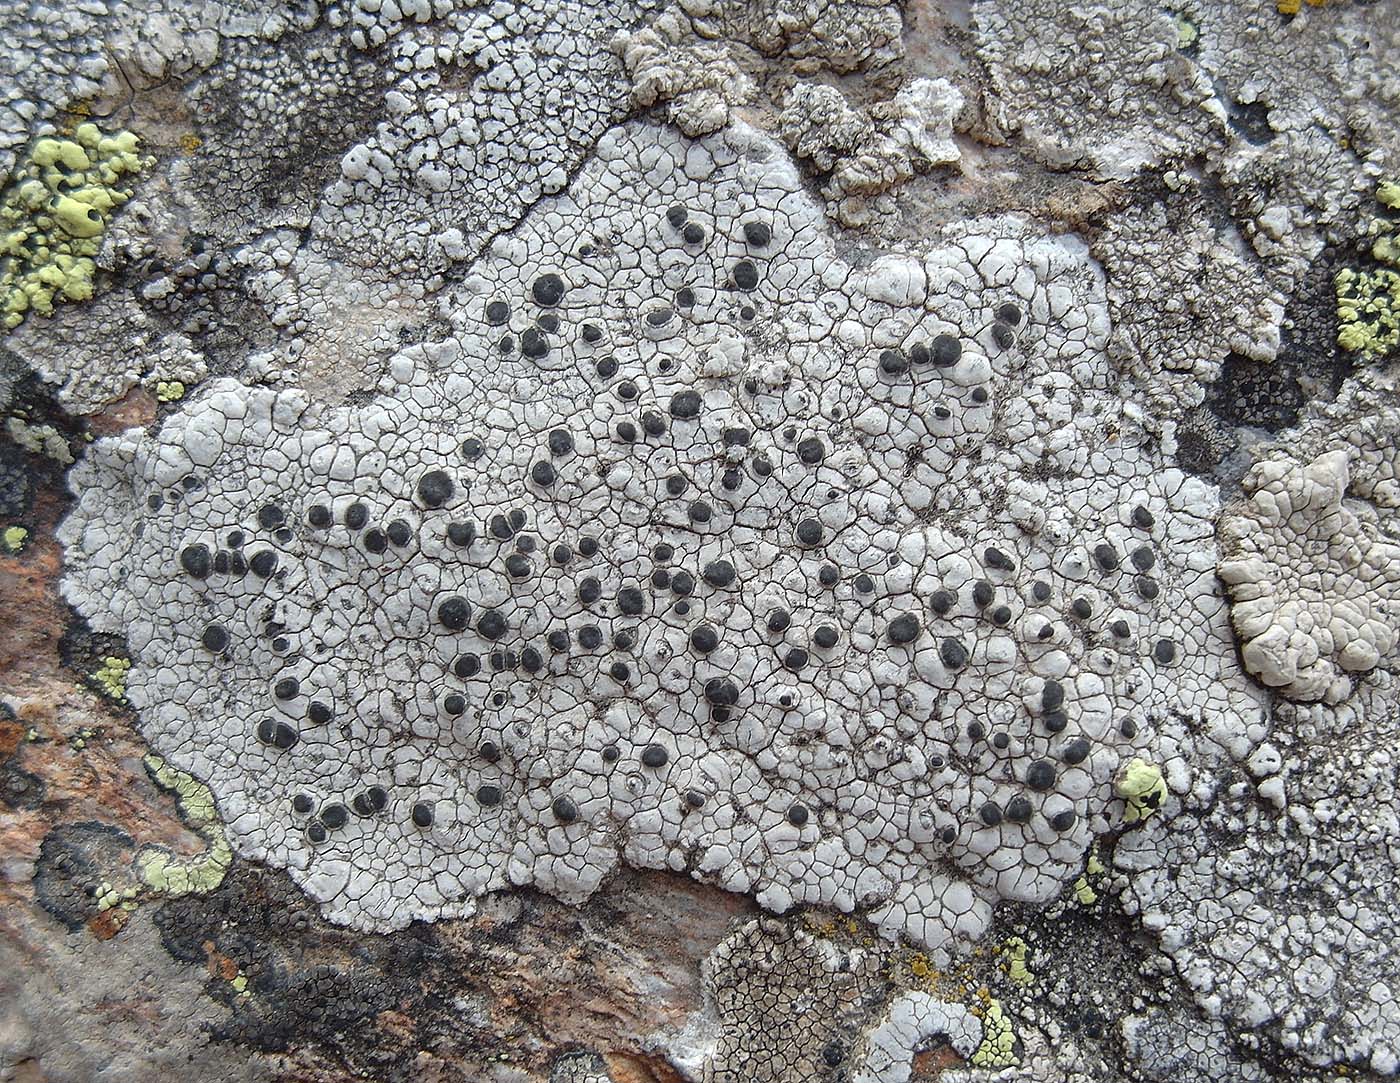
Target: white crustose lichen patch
[
  {"x": 1315, "y": 591},
  {"x": 692, "y": 547}
]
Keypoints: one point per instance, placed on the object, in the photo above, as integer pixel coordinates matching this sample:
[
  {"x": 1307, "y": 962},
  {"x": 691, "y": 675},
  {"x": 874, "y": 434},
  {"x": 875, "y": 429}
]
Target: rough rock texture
[{"x": 714, "y": 540}]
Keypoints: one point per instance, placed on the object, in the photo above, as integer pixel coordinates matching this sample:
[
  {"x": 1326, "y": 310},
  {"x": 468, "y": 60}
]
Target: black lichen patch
[
  {"x": 19, "y": 789},
  {"x": 1201, "y": 443},
  {"x": 371, "y": 1004},
  {"x": 16, "y": 488},
  {"x": 1258, "y": 394},
  {"x": 25, "y": 472},
  {"x": 1270, "y": 395},
  {"x": 82, "y": 650},
  {"x": 73, "y": 860},
  {"x": 307, "y": 980},
  {"x": 1251, "y": 120}
]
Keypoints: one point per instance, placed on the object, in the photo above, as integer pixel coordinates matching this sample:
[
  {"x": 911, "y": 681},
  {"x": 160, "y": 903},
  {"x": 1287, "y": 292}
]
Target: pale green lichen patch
[
  {"x": 1368, "y": 302},
  {"x": 1017, "y": 966},
  {"x": 39, "y": 439},
  {"x": 998, "y": 1048},
  {"x": 13, "y": 539},
  {"x": 172, "y": 876},
  {"x": 53, "y": 214},
  {"x": 109, "y": 895},
  {"x": 1186, "y": 32},
  {"x": 170, "y": 390},
  {"x": 1142, "y": 786},
  {"x": 111, "y": 676}
]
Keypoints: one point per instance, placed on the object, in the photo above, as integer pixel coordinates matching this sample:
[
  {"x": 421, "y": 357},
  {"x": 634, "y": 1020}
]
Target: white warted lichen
[{"x": 637, "y": 566}]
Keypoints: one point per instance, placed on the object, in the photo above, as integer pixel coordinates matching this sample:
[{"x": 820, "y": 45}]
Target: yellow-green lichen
[
  {"x": 1142, "y": 786},
  {"x": 1084, "y": 892},
  {"x": 998, "y": 1048},
  {"x": 171, "y": 876},
  {"x": 13, "y": 540},
  {"x": 170, "y": 391},
  {"x": 107, "y": 896},
  {"x": 1186, "y": 32},
  {"x": 1017, "y": 951},
  {"x": 111, "y": 676},
  {"x": 53, "y": 214},
  {"x": 1368, "y": 301}
]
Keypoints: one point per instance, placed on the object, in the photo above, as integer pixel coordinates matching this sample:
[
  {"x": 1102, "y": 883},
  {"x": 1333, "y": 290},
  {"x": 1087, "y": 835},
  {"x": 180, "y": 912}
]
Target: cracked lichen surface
[
  {"x": 698, "y": 551},
  {"x": 910, "y": 490}
]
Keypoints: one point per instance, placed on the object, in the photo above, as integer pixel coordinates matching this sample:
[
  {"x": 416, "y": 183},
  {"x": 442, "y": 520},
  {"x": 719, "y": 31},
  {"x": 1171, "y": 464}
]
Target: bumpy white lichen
[
  {"x": 868, "y": 152},
  {"x": 1204, "y": 295},
  {"x": 1316, "y": 595},
  {"x": 702, "y": 57},
  {"x": 698, "y": 80},
  {"x": 911, "y": 1021},
  {"x": 1272, "y": 889},
  {"x": 1130, "y": 101},
  {"x": 752, "y": 588},
  {"x": 1170, "y": 1053}
]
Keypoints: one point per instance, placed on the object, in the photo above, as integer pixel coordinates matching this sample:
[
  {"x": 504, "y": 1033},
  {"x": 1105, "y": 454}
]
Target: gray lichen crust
[
  {"x": 1316, "y": 592},
  {"x": 694, "y": 547},
  {"x": 1272, "y": 891},
  {"x": 930, "y": 463}
]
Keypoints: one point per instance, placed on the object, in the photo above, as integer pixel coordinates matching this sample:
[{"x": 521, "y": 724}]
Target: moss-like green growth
[
  {"x": 13, "y": 539},
  {"x": 163, "y": 872},
  {"x": 998, "y": 1048},
  {"x": 1142, "y": 786},
  {"x": 170, "y": 390},
  {"x": 1368, "y": 302},
  {"x": 53, "y": 213},
  {"x": 111, "y": 676}
]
